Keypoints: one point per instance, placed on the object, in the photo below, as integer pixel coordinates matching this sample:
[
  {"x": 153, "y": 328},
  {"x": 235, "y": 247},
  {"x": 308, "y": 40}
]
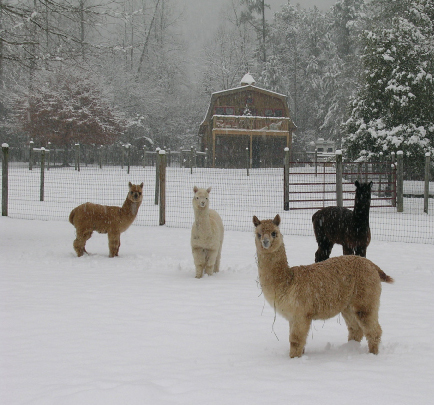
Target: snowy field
[{"x": 140, "y": 329}]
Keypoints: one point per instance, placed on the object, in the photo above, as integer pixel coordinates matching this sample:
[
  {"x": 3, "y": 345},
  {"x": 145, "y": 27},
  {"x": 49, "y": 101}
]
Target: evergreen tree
[{"x": 394, "y": 107}]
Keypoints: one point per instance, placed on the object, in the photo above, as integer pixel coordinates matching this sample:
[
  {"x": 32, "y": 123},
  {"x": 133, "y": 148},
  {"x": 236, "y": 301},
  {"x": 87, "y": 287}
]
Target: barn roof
[{"x": 217, "y": 94}]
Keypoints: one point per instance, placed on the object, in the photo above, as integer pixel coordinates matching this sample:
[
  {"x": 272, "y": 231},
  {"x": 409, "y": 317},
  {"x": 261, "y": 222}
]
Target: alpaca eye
[
  {"x": 259, "y": 235},
  {"x": 273, "y": 234}
]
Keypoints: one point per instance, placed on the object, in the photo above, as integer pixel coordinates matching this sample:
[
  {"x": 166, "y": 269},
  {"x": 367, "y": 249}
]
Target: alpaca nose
[{"x": 266, "y": 243}]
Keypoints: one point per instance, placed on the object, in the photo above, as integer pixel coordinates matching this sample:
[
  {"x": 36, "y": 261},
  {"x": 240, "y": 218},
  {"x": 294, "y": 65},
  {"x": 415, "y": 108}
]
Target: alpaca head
[
  {"x": 363, "y": 194},
  {"x": 201, "y": 197},
  {"x": 267, "y": 234},
  {"x": 135, "y": 193}
]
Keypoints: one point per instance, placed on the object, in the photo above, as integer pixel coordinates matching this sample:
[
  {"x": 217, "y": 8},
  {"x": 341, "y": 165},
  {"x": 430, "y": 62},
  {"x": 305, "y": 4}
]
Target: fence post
[
  {"x": 48, "y": 155},
  {"x": 206, "y": 157},
  {"x": 5, "y": 178},
  {"x": 427, "y": 177},
  {"x": 286, "y": 180},
  {"x": 41, "y": 191},
  {"x": 157, "y": 175},
  {"x": 400, "y": 182},
  {"x": 191, "y": 159},
  {"x": 162, "y": 180},
  {"x": 316, "y": 162},
  {"x": 339, "y": 193},
  {"x": 380, "y": 172},
  {"x": 100, "y": 157},
  {"x": 247, "y": 161},
  {"x": 31, "y": 143},
  {"x": 127, "y": 146},
  {"x": 77, "y": 156}
]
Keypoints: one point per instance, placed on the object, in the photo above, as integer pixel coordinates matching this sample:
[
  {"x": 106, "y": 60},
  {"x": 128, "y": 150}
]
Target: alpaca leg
[
  {"x": 360, "y": 251},
  {"x": 347, "y": 250},
  {"x": 80, "y": 242},
  {"x": 199, "y": 257},
  {"x": 371, "y": 329},
  {"x": 217, "y": 261},
  {"x": 298, "y": 331},
  {"x": 211, "y": 261},
  {"x": 114, "y": 243},
  {"x": 324, "y": 249},
  {"x": 355, "y": 332}
]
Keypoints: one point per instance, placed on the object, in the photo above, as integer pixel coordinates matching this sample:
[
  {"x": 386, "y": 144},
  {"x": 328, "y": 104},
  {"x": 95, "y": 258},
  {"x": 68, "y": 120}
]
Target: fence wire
[{"x": 236, "y": 196}]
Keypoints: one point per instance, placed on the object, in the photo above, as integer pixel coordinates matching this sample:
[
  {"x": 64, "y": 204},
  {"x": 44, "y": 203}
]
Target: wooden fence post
[
  {"x": 339, "y": 193},
  {"x": 286, "y": 180},
  {"x": 162, "y": 181},
  {"x": 5, "y": 178},
  {"x": 427, "y": 178},
  {"x": 380, "y": 172},
  {"x": 127, "y": 146},
  {"x": 48, "y": 155},
  {"x": 31, "y": 143},
  {"x": 206, "y": 157},
  {"x": 400, "y": 182},
  {"x": 247, "y": 161},
  {"x": 42, "y": 186},
  {"x": 100, "y": 157},
  {"x": 157, "y": 175},
  {"x": 316, "y": 162},
  {"x": 77, "y": 157}
]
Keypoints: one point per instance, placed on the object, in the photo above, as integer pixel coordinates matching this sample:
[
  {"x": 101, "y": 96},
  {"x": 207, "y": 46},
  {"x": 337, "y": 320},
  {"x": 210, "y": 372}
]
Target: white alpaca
[{"x": 206, "y": 234}]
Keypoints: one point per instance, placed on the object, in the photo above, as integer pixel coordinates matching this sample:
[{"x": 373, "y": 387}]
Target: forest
[{"x": 100, "y": 72}]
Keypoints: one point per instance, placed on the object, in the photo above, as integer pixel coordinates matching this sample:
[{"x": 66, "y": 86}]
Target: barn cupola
[{"x": 247, "y": 80}]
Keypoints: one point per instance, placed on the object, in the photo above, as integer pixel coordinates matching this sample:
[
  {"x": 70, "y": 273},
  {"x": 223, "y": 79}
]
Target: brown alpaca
[
  {"x": 107, "y": 219},
  {"x": 350, "y": 285}
]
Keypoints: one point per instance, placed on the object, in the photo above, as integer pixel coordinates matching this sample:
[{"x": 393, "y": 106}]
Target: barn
[{"x": 247, "y": 121}]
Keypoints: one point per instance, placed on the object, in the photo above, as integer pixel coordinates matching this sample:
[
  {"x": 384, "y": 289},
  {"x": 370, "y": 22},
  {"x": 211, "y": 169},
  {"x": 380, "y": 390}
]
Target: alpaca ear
[
  {"x": 195, "y": 189},
  {"x": 370, "y": 184},
  {"x": 357, "y": 184},
  {"x": 141, "y": 185},
  {"x": 129, "y": 184},
  {"x": 256, "y": 221},
  {"x": 276, "y": 220},
  {"x": 208, "y": 189}
]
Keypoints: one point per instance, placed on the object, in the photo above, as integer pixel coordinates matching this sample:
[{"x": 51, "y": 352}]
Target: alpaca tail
[
  {"x": 71, "y": 216},
  {"x": 384, "y": 277}
]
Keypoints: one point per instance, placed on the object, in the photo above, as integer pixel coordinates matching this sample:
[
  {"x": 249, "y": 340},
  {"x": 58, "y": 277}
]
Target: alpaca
[
  {"x": 343, "y": 226},
  {"x": 206, "y": 234},
  {"x": 111, "y": 220},
  {"x": 350, "y": 285}
]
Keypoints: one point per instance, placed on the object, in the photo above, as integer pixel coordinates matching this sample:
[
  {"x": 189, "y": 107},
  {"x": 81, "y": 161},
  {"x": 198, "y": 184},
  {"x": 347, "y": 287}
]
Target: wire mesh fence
[{"x": 235, "y": 195}]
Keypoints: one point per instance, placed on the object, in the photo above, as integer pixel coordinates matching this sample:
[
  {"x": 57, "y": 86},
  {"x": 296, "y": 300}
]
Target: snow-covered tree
[
  {"x": 394, "y": 107},
  {"x": 66, "y": 107}
]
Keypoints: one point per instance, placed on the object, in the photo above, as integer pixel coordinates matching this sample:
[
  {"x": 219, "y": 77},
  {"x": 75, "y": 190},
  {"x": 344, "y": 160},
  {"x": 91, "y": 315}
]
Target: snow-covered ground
[{"x": 140, "y": 329}]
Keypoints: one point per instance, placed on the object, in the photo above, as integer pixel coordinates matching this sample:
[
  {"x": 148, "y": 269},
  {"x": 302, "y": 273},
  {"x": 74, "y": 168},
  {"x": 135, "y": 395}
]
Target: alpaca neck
[
  {"x": 273, "y": 268},
  {"x": 361, "y": 213},
  {"x": 201, "y": 216},
  {"x": 129, "y": 209}
]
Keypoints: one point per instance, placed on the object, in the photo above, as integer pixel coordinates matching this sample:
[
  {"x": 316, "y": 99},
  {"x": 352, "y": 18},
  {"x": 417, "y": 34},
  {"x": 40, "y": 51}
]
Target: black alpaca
[{"x": 343, "y": 226}]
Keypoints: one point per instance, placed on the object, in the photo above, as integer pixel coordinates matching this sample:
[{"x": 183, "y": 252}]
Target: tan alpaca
[
  {"x": 350, "y": 285},
  {"x": 206, "y": 234},
  {"x": 111, "y": 220}
]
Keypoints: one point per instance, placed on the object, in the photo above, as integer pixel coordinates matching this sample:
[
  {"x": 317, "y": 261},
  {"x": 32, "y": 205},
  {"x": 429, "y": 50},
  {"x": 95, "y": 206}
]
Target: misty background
[{"x": 99, "y": 72}]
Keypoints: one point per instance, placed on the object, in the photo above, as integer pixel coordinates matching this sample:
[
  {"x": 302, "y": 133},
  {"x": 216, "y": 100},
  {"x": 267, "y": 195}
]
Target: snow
[{"x": 140, "y": 329}]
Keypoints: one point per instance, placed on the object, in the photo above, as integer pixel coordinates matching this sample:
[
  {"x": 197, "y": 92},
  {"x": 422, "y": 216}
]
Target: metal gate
[{"x": 312, "y": 185}]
